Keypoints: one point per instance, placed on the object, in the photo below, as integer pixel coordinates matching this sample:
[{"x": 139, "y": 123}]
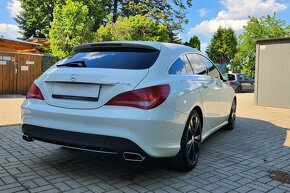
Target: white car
[{"x": 137, "y": 99}]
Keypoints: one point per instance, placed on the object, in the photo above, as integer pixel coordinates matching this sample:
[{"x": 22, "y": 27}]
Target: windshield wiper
[{"x": 74, "y": 64}]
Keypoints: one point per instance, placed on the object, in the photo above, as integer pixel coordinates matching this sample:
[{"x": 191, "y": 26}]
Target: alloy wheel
[{"x": 193, "y": 139}]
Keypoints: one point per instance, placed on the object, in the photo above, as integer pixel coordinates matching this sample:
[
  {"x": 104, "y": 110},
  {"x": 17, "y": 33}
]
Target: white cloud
[
  {"x": 242, "y": 9},
  {"x": 203, "y": 47},
  {"x": 9, "y": 30},
  {"x": 203, "y": 12},
  {"x": 208, "y": 27},
  {"x": 235, "y": 14},
  {"x": 14, "y": 7}
]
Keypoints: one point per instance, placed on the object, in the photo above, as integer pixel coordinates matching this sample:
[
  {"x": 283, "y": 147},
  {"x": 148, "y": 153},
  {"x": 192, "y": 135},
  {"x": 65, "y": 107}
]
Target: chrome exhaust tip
[
  {"x": 135, "y": 157},
  {"x": 27, "y": 138}
]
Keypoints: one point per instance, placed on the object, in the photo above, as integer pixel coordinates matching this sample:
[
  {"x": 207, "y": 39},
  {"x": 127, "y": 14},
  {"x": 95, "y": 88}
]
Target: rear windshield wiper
[{"x": 74, "y": 64}]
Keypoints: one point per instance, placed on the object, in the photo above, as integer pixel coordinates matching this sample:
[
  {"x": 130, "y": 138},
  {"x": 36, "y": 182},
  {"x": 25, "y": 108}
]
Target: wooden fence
[{"x": 18, "y": 71}]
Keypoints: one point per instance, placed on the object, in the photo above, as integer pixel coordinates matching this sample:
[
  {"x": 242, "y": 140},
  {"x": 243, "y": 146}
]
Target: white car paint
[{"x": 157, "y": 131}]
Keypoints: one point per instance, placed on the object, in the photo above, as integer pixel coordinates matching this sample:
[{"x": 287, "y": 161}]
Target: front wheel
[{"x": 188, "y": 155}]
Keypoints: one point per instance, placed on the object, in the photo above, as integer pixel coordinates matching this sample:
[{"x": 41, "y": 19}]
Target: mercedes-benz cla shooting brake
[{"x": 137, "y": 99}]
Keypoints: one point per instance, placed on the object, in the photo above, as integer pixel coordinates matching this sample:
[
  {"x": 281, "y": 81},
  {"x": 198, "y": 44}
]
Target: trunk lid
[
  {"x": 87, "y": 88},
  {"x": 98, "y": 72}
]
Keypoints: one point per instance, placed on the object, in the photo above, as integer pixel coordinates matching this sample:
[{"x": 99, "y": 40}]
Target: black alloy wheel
[{"x": 188, "y": 155}]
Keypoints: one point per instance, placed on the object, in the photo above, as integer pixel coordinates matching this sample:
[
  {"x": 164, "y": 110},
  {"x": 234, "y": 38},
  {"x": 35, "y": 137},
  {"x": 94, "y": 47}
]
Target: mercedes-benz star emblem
[{"x": 73, "y": 77}]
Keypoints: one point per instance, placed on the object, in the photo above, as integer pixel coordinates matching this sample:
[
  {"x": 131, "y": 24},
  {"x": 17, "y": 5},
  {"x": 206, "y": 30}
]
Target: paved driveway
[
  {"x": 10, "y": 109},
  {"x": 255, "y": 157}
]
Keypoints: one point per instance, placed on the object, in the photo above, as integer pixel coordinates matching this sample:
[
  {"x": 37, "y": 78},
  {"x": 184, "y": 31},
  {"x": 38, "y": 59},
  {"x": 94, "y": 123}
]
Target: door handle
[{"x": 15, "y": 70}]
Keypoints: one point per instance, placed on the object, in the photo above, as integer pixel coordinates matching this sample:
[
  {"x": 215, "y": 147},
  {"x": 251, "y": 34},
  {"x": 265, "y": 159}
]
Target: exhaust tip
[
  {"x": 131, "y": 156},
  {"x": 27, "y": 138}
]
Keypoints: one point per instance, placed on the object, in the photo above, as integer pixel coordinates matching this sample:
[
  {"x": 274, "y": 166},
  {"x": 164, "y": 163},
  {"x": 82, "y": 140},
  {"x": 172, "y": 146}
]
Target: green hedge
[{"x": 48, "y": 61}]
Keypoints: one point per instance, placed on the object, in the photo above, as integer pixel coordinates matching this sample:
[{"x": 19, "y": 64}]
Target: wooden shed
[{"x": 20, "y": 65}]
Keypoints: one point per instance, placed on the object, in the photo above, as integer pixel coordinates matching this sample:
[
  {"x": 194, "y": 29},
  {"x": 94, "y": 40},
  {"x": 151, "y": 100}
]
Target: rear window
[{"x": 115, "y": 59}]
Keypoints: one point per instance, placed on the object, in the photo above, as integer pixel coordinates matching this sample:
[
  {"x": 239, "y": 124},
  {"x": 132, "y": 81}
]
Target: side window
[
  {"x": 196, "y": 63},
  {"x": 212, "y": 70},
  {"x": 181, "y": 66}
]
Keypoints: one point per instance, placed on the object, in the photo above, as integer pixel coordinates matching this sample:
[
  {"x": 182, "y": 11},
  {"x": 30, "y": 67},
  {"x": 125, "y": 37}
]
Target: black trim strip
[{"x": 81, "y": 98}]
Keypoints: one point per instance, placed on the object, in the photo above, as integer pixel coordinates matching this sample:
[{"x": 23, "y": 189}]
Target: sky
[{"x": 205, "y": 16}]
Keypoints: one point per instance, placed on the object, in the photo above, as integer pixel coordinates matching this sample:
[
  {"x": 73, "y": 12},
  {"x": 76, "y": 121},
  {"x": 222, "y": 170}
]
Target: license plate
[{"x": 88, "y": 92}]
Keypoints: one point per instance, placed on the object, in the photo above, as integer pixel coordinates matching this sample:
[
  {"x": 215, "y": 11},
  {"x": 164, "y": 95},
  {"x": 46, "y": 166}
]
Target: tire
[
  {"x": 232, "y": 117},
  {"x": 187, "y": 157}
]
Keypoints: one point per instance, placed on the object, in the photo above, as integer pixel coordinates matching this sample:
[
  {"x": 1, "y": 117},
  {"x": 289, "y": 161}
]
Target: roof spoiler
[{"x": 114, "y": 46}]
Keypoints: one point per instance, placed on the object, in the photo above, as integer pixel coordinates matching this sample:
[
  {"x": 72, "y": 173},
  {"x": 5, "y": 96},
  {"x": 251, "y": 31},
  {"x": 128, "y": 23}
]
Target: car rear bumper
[
  {"x": 103, "y": 144},
  {"x": 156, "y": 132}
]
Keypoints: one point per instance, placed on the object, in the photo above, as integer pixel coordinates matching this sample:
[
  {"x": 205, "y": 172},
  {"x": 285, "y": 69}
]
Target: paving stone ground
[{"x": 235, "y": 161}]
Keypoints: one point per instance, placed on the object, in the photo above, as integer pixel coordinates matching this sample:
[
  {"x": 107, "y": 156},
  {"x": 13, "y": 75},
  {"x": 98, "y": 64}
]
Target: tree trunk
[{"x": 115, "y": 11}]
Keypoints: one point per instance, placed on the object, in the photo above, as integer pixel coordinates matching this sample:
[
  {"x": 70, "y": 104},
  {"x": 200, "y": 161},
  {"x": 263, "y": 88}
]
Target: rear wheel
[
  {"x": 188, "y": 155},
  {"x": 232, "y": 117}
]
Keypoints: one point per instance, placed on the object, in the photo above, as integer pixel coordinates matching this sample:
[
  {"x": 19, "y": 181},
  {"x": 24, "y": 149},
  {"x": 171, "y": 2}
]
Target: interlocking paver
[{"x": 236, "y": 161}]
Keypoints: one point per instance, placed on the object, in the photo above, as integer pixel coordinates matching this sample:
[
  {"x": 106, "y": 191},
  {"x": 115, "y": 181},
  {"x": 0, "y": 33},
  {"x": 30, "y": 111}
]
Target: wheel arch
[{"x": 198, "y": 109}]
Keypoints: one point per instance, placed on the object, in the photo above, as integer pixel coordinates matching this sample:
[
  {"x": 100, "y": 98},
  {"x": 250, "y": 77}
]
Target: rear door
[
  {"x": 89, "y": 79},
  {"x": 209, "y": 90}
]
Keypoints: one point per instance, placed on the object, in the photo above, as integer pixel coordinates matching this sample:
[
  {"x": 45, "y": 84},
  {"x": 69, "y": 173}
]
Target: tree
[
  {"x": 169, "y": 13},
  {"x": 223, "y": 46},
  {"x": 264, "y": 27},
  {"x": 38, "y": 14},
  {"x": 71, "y": 26},
  {"x": 133, "y": 28},
  {"x": 194, "y": 42}
]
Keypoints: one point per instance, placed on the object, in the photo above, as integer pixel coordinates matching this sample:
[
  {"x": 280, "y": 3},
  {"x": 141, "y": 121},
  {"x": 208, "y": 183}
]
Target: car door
[
  {"x": 220, "y": 90},
  {"x": 208, "y": 89}
]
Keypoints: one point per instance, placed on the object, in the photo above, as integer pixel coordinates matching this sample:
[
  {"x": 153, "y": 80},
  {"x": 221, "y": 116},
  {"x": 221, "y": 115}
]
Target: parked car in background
[
  {"x": 137, "y": 99},
  {"x": 240, "y": 82}
]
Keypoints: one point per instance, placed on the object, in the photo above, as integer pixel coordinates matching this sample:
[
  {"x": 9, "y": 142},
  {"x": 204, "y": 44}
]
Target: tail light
[
  {"x": 34, "y": 93},
  {"x": 230, "y": 83},
  {"x": 145, "y": 98}
]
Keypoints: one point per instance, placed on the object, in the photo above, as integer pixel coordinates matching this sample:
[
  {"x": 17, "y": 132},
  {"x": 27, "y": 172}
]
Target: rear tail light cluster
[
  {"x": 34, "y": 93},
  {"x": 230, "y": 83},
  {"x": 145, "y": 98}
]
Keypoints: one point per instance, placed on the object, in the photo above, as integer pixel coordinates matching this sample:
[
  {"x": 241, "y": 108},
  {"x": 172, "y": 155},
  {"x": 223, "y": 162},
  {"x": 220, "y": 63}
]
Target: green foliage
[
  {"x": 133, "y": 28},
  {"x": 264, "y": 27},
  {"x": 71, "y": 26},
  {"x": 194, "y": 42},
  {"x": 38, "y": 14},
  {"x": 47, "y": 61},
  {"x": 169, "y": 13},
  {"x": 1, "y": 36},
  {"x": 223, "y": 46}
]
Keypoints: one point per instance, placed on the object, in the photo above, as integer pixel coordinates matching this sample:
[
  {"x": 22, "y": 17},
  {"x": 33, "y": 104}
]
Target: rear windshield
[{"x": 115, "y": 59}]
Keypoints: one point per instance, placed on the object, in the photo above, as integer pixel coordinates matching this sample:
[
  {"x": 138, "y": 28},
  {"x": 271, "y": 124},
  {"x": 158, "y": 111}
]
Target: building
[
  {"x": 20, "y": 65},
  {"x": 272, "y": 80}
]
